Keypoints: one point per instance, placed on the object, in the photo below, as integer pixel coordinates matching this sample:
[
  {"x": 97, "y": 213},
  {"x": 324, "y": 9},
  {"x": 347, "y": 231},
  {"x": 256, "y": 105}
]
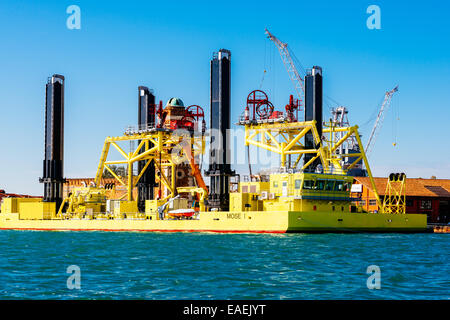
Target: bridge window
[
  {"x": 308, "y": 184},
  {"x": 329, "y": 185},
  {"x": 347, "y": 186},
  {"x": 298, "y": 183},
  {"x": 320, "y": 184},
  {"x": 338, "y": 186}
]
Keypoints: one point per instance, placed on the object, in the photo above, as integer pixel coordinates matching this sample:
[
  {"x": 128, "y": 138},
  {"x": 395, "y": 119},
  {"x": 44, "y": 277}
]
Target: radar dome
[{"x": 175, "y": 102}]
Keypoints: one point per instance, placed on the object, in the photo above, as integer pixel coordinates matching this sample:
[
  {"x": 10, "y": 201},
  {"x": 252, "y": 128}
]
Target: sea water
[{"x": 135, "y": 265}]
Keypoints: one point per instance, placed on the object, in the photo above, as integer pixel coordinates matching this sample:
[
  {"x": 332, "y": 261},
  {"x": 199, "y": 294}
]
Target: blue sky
[{"x": 167, "y": 46}]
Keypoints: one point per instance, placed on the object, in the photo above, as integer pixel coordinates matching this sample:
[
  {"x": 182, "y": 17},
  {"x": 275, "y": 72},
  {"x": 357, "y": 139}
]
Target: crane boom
[
  {"x": 196, "y": 173},
  {"x": 289, "y": 64},
  {"x": 379, "y": 122}
]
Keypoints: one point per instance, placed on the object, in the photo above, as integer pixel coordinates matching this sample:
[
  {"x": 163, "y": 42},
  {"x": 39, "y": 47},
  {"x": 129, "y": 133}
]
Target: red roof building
[{"x": 428, "y": 196}]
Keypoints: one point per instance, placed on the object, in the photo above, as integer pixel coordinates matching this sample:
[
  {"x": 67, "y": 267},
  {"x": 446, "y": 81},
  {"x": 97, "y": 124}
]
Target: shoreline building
[{"x": 427, "y": 196}]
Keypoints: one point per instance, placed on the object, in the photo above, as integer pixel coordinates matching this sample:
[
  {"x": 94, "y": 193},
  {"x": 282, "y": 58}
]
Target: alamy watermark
[
  {"x": 374, "y": 280},
  {"x": 74, "y": 20},
  {"x": 374, "y": 20},
  {"x": 74, "y": 280}
]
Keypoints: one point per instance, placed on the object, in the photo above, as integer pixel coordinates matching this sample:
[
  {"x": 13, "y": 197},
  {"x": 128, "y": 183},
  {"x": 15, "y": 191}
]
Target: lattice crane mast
[
  {"x": 379, "y": 122},
  {"x": 286, "y": 56}
]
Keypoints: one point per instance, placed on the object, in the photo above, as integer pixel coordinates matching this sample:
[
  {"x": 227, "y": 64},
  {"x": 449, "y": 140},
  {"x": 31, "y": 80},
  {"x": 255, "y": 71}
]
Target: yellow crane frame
[
  {"x": 164, "y": 146},
  {"x": 284, "y": 138},
  {"x": 395, "y": 195}
]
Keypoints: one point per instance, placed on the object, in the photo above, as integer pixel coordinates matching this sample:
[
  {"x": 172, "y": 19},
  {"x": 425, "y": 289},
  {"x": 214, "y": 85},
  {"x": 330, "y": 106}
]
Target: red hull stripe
[{"x": 149, "y": 230}]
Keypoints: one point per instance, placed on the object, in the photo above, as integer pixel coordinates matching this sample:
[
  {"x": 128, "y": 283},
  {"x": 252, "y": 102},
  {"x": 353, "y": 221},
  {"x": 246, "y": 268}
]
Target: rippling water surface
[{"x": 128, "y": 265}]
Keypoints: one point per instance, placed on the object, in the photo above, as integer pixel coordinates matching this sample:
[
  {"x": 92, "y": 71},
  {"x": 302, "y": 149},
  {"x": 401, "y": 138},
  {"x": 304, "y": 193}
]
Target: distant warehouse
[{"x": 428, "y": 196}]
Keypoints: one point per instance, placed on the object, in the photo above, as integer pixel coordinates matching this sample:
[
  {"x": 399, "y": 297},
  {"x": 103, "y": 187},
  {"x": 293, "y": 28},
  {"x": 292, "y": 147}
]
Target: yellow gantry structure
[
  {"x": 395, "y": 198},
  {"x": 162, "y": 146},
  {"x": 285, "y": 138}
]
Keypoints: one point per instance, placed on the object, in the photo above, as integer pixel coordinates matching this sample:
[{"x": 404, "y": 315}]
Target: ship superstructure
[{"x": 309, "y": 192}]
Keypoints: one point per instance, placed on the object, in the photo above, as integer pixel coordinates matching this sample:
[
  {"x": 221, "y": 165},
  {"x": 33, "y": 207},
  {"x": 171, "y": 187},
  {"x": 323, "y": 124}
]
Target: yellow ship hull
[{"x": 237, "y": 222}]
